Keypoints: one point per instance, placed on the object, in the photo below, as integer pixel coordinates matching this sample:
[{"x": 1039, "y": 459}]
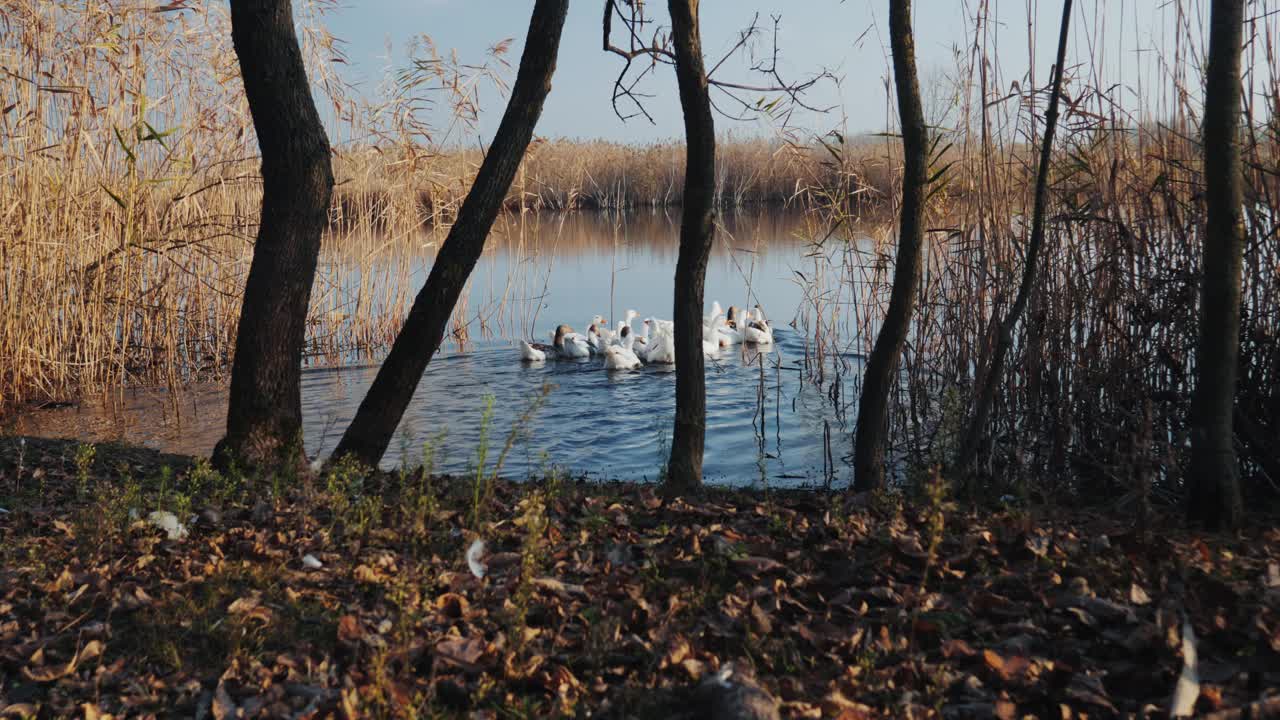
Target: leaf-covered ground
[{"x": 349, "y": 595}]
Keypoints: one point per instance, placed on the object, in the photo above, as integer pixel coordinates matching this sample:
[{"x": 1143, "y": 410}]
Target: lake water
[{"x": 766, "y": 420}]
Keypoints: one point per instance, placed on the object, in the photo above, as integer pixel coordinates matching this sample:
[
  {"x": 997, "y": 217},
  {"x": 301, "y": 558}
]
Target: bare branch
[{"x": 658, "y": 51}]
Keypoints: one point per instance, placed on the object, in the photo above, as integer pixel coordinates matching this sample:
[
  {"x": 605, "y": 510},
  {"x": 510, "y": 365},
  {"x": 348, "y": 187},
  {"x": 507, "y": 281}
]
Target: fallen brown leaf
[{"x": 91, "y": 650}]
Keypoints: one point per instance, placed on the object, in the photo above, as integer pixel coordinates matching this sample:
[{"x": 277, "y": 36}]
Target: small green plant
[
  {"x": 22, "y": 461},
  {"x": 483, "y": 488},
  {"x": 116, "y": 504},
  {"x": 533, "y": 518},
  {"x": 177, "y": 500},
  {"x": 937, "y": 492},
  {"x": 779, "y": 527},
  {"x": 432, "y": 446},
  {"x": 482, "y": 452},
  {"x": 205, "y": 481},
  {"x": 352, "y": 501},
  {"x": 131, "y": 497},
  {"x": 288, "y": 476},
  {"x": 661, "y": 428},
  {"x": 84, "y": 464},
  {"x": 886, "y": 502},
  {"x": 938, "y": 504},
  {"x": 418, "y": 501}
]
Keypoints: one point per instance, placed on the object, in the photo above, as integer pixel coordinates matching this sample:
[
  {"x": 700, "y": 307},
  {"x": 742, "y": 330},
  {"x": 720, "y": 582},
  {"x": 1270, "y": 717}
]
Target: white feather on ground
[
  {"x": 475, "y": 559},
  {"x": 1187, "y": 691},
  {"x": 169, "y": 523}
]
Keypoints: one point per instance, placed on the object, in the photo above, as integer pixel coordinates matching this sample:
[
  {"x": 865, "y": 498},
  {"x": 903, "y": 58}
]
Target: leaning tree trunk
[
  {"x": 371, "y": 430},
  {"x": 264, "y": 413},
  {"x": 1214, "y": 478},
  {"x": 697, "y": 229},
  {"x": 882, "y": 366},
  {"x": 988, "y": 386}
]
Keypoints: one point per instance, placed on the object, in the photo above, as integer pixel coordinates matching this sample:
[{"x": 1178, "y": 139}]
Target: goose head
[
  {"x": 710, "y": 332},
  {"x": 561, "y": 331},
  {"x": 760, "y": 315}
]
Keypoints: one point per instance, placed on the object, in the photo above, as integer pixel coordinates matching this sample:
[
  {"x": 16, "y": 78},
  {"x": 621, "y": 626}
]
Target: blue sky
[{"x": 848, "y": 38}]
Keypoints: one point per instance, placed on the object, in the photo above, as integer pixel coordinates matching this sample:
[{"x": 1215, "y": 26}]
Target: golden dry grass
[{"x": 1096, "y": 398}]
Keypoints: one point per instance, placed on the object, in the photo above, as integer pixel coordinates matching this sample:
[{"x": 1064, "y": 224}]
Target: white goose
[
  {"x": 536, "y": 352},
  {"x": 711, "y": 336},
  {"x": 602, "y": 327},
  {"x": 661, "y": 348},
  {"x": 716, "y": 311},
  {"x": 595, "y": 343},
  {"x": 573, "y": 346},
  {"x": 615, "y": 337},
  {"x": 564, "y": 343},
  {"x": 757, "y": 329},
  {"x": 642, "y": 337},
  {"x": 622, "y": 357},
  {"x": 730, "y": 333},
  {"x": 663, "y": 326}
]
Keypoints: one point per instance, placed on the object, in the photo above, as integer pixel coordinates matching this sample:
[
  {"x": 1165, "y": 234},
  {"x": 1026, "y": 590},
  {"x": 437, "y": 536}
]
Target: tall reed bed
[
  {"x": 1097, "y": 396},
  {"x": 124, "y": 236},
  {"x": 129, "y": 195},
  {"x": 392, "y": 187}
]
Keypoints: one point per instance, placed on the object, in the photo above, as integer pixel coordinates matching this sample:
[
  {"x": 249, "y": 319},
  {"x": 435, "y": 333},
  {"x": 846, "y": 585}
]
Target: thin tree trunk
[
  {"x": 989, "y": 385},
  {"x": 264, "y": 413},
  {"x": 1214, "y": 496},
  {"x": 882, "y": 366},
  {"x": 697, "y": 230},
  {"x": 371, "y": 430}
]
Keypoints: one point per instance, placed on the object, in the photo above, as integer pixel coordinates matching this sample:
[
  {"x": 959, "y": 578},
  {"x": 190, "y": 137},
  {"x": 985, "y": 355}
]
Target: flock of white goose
[{"x": 627, "y": 348}]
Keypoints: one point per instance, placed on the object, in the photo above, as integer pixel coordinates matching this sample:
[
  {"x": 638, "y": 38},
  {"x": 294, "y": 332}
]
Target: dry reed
[{"x": 1106, "y": 352}]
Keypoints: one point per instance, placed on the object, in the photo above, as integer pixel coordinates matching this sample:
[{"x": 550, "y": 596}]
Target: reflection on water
[{"x": 764, "y": 422}]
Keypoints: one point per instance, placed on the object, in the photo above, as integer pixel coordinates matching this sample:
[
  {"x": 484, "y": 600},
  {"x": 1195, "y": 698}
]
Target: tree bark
[
  {"x": 989, "y": 385},
  {"x": 697, "y": 230},
  {"x": 882, "y": 366},
  {"x": 374, "y": 425},
  {"x": 1214, "y": 497},
  {"x": 264, "y": 412}
]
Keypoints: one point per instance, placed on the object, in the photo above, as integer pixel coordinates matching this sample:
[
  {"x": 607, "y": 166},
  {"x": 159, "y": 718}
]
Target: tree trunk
[
  {"x": 264, "y": 413},
  {"x": 882, "y": 366},
  {"x": 989, "y": 385},
  {"x": 1214, "y": 497},
  {"x": 697, "y": 230},
  {"x": 371, "y": 430}
]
